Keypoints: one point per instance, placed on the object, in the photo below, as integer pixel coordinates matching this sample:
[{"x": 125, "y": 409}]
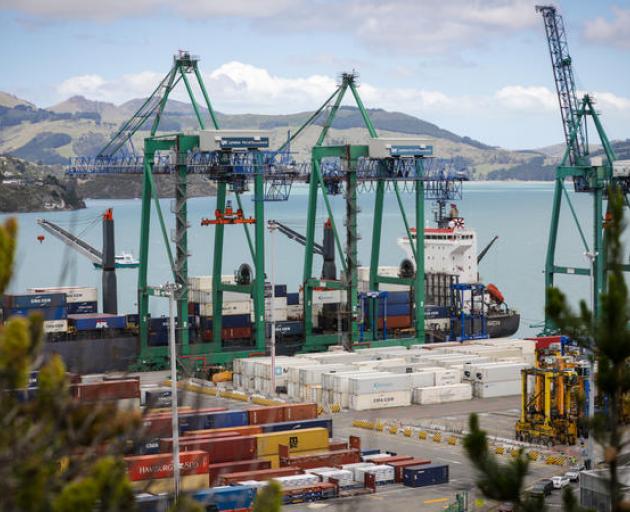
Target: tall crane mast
[
  {"x": 588, "y": 174},
  {"x": 565, "y": 83}
]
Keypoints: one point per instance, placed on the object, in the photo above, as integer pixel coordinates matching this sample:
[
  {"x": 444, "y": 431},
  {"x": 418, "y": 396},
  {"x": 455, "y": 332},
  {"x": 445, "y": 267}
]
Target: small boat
[{"x": 123, "y": 260}]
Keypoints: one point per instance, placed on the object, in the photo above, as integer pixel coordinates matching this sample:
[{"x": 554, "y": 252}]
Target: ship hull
[{"x": 86, "y": 355}]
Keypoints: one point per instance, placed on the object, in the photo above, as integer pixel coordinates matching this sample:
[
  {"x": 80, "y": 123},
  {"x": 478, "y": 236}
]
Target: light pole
[
  {"x": 272, "y": 229},
  {"x": 590, "y": 256},
  {"x": 171, "y": 289}
]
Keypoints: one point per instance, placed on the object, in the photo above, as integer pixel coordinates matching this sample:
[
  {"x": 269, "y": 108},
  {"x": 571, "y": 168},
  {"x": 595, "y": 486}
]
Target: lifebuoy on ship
[{"x": 494, "y": 292}]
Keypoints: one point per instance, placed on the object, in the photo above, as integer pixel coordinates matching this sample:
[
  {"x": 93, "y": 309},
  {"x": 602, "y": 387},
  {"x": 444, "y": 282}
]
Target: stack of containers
[
  {"x": 394, "y": 312},
  {"x": 498, "y": 380},
  {"x": 383, "y": 473},
  {"x": 79, "y": 299},
  {"x": 335, "y": 386},
  {"x": 343, "y": 476},
  {"x": 379, "y": 391},
  {"x": 263, "y": 371},
  {"x": 303, "y": 480},
  {"x": 356, "y": 475},
  {"x": 51, "y": 306}
]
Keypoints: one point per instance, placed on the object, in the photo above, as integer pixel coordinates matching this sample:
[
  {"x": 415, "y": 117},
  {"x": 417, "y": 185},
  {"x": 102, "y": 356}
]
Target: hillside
[
  {"x": 80, "y": 127},
  {"x": 26, "y": 187}
]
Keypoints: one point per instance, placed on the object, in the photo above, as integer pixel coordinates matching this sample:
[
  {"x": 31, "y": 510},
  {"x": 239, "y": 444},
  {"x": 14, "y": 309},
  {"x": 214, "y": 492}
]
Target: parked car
[
  {"x": 541, "y": 488},
  {"x": 560, "y": 481},
  {"x": 572, "y": 475}
]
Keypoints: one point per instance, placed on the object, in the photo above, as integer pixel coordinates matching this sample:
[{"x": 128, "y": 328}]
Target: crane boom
[
  {"x": 565, "y": 83},
  {"x": 81, "y": 246},
  {"x": 294, "y": 235}
]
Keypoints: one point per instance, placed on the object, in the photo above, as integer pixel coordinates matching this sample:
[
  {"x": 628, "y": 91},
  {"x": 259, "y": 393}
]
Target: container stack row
[{"x": 375, "y": 378}]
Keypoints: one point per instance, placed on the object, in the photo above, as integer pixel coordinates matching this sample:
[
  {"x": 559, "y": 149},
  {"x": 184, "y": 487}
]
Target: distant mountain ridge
[{"x": 79, "y": 126}]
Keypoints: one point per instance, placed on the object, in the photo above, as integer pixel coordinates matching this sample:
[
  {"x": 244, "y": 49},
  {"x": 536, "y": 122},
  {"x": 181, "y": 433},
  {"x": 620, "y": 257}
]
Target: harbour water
[{"x": 518, "y": 212}]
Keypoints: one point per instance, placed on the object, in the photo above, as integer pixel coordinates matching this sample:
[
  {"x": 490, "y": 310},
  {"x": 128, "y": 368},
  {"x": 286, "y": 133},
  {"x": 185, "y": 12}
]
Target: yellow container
[
  {"x": 160, "y": 485},
  {"x": 297, "y": 440}
]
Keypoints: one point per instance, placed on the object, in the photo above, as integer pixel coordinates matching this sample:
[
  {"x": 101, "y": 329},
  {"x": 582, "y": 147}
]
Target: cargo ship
[{"x": 458, "y": 304}]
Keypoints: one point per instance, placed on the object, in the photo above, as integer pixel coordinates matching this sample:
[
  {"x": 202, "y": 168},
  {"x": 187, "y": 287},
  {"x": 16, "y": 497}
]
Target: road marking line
[
  {"x": 435, "y": 500},
  {"x": 449, "y": 460}
]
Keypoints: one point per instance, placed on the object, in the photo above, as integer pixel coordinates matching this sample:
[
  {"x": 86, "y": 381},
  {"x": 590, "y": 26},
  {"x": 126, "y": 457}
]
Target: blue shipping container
[
  {"x": 79, "y": 308},
  {"x": 231, "y": 497},
  {"x": 34, "y": 300},
  {"x": 425, "y": 474},
  {"x": 236, "y": 321},
  {"x": 299, "y": 425},
  {"x": 293, "y": 299},
  {"x": 398, "y": 298},
  {"x": 435, "y": 312},
  {"x": 286, "y": 328},
  {"x": 95, "y": 322},
  {"x": 222, "y": 419},
  {"x": 52, "y": 313}
]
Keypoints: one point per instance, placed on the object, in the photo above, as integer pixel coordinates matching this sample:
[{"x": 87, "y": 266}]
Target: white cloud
[
  {"x": 409, "y": 26},
  {"x": 518, "y": 97},
  {"x": 118, "y": 90},
  {"x": 615, "y": 32},
  {"x": 118, "y": 9}
]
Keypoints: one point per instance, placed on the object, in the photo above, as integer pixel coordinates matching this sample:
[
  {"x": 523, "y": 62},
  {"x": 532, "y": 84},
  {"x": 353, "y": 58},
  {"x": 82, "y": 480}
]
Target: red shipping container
[
  {"x": 147, "y": 467},
  {"x": 236, "y": 333},
  {"x": 400, "y": 466},
  {"x": 266, "y": 414},
  {"x": 166, "y": 443},
  {"x": 543, "y": 342},
  {"x": 337, "y": 444},
  {"x": 223, "y": 468},
  {"x": 107, "y": 390},
  {"x": 318, "y": 460},
  {"x": 396, "y": 322},
  {"x": 393, "y": 458},
  {"x": 261, "y": 474},
  {"x": 222, "y": 449},
  {"x": 298, "y": 412},
  {"x": 236, "y": 431}
]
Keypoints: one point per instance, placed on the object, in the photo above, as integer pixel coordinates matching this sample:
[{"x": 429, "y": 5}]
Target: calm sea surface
[{"x": 517, "y": 212}]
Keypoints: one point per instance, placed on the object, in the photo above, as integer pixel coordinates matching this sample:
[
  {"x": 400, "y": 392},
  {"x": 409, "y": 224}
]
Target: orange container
[
  {"x": 249, "y": 430},
  {"x": 148, "y": 467}
]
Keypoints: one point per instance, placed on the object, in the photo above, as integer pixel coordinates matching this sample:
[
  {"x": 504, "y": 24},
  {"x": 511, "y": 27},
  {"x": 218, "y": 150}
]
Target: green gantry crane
[{"x": 577, "y": 163}]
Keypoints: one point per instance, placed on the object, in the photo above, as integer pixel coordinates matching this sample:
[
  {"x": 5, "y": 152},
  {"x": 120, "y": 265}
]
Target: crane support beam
[{"x": 81, "y": 246}]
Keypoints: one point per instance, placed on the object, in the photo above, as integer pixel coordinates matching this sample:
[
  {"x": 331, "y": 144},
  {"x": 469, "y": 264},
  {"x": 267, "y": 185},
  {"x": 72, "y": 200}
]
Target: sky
[{"x": 479, "y": 68}]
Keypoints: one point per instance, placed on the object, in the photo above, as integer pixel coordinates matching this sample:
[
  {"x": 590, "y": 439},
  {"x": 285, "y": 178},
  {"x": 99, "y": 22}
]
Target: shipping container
[
  {"x": 395, "y": 322},
  {"x": 296, "y": 440},
  {"x": 233, "y": 498},
  {"x": 48, "y": 313},
  {"x": 317, "y": 459},
  {"x": 207, "y": 420},
  {"x": 293, "y": 299},
  {"x": 299, "y": 425},
  {"x": 260, "y": 474},
  {"x": 399, "y": 466},
  {"x": 34, "y": 300},
  {"x": 166, "y": 485},
  {"x": 223, "y": 449},
  {"x": 236, "y": 321},
  {"x": 81, "y": 308},
  {"x": 160, "y": 424},
  {"x": 442, "y": 394},
  {"x": 321, "y": 491},
  {"x": 145, "y": 467},
  {"x": 360, "y": 385},
  {"x": 425, "y": 475},
  {"x": 382, "y": 400},
  {"x": 91, "y": 322},
  {"x": 266, "y": 414},
  {"x": 286, "y": 328},
  {"x": 248, "y": 430},
  {"x": 215, "y": 471},
  {"x": 55, "y": 326},
  {"x": 74, "y": 294},
  {"x": 435, "y": 312},
  {"x": 107, "y": 390},
  {"x": 299, "y": 412},
  {"x": 497, "y": 388},
  {"x": 502, "y": 372}
]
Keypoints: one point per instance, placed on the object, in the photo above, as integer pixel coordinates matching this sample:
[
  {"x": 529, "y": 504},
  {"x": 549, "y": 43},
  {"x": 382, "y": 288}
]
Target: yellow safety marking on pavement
[
  {"x": 422, "y": 435},
  {"x": 533, "y": 455},
  {"x": 437, "y": 437},
  {"x": 514, "y": 452},
  {"x": 393, "y": 429},
  {"x": 452, "y": 440},
  {"x": 499, "y": 450},
  {"x": 379, "y": 426},
  {"x": 435, "y": 500},
  {"x": 407, "y": 431},
  {"x": 334, "y": 408},
  {"x": 320, "y": 410}
]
